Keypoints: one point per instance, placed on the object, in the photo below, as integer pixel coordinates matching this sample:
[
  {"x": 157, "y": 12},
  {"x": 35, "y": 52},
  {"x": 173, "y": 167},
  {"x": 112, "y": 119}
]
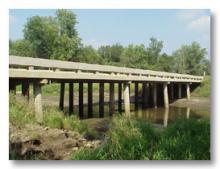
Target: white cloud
[
  {"x": 201, "y": 23},
  {"x": 189, "y": 14},
  {"x": 12, "y": 19}
]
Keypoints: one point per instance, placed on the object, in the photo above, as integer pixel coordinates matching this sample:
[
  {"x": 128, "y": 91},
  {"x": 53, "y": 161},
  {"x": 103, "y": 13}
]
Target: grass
[
  {"x": 127, "y": 139},
  {"x": 185, "y": 140},
  {"x": 21, "y": 113},
  {"x": 205, "y": 89},
  {"x": 138, "y": 140}
]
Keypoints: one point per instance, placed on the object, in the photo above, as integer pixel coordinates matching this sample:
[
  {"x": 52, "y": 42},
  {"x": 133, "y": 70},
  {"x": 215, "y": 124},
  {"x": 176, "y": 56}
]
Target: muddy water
[
  {"x": 195, "y": 108},
  {"x": 158, "y": 116},
  {"x": 164, "y": 117}
]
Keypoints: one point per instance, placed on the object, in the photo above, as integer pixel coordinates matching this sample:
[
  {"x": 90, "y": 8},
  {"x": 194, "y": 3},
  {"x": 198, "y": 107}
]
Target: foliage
[
  {"x": 185, "y": 140},
  {"x": 56, "y": 37},
  {"x": 21, "y": 47},
  {"x": 126, "y": 140},
  {"x": 41, "y": 32},
  {"x": 204, "y": 90},
  {"x": 132, "y": 139},
  {"x": 20, "y": 112},
  {"x": 189, "y": 59}
]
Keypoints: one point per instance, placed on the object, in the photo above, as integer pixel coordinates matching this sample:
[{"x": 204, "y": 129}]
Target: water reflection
[{"x": 166, "y": 116}]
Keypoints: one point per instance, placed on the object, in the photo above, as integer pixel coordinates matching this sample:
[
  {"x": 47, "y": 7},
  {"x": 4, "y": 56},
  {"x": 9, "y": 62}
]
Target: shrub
[
  {"x": 20, "y": 111},
  {"x": 185, "y": 140},
  {"x": 127, "y": 140}
]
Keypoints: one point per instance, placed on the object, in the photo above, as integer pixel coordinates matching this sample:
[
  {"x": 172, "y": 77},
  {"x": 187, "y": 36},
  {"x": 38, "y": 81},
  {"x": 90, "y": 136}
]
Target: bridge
[{"x": 159, "y": 88}]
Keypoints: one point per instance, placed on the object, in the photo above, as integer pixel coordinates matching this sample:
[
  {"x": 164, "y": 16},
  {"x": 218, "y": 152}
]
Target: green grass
[
  {"x": 21, "y": 113},
  {"x": 138, "y": 140},
  {"x": 205, "y": 89},
  {"x": 185, "y": 140},
  {"x": 126, "y": 140}
]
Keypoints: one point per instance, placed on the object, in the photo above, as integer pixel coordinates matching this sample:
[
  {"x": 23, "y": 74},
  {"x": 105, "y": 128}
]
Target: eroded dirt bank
[
  {"x": 38, "y": 142},
  {"x": 193, "y": 103}
]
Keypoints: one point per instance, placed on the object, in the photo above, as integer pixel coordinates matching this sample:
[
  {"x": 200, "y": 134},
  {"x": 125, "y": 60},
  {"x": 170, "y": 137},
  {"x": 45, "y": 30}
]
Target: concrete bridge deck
[{"x": 26, "y": 70}]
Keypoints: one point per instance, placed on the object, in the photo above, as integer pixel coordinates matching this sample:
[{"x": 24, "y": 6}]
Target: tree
[
  {"x": 111, "y": 54},
  {"x": 165, "y": 63},
  {"x": 67, "y": 22},
  {"x": 21, "y": 48},
  {"x": 189, "y": 59},
  {"x": 88, "y": 54},
  {"x": 134, "y": 56},
  {"x": 153, "y": 51},
  {"x": 41, "y": 32}
]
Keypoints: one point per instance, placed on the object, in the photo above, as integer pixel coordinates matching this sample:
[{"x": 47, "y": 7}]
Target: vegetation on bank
[
  {"x": 204, "y": 90},
  {"x": 126, "y": 138},
  {"x": 21, "y": 113},
  {"x": 134, "y": 139}
]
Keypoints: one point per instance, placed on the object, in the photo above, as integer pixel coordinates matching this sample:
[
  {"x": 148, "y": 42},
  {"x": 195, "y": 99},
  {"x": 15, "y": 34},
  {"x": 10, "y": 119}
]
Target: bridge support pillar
[
  {"x": 38, "y": 102},
  {"x": 179, "y": 91},
  {"x": 119, "y": 97},
  {"x": 80, "y": 100},
  {"x": 62, "y": 91},
  {"x": 71, "y": 98},
  {"x": 171, "y": 92},
  {"x": 90, "y": 100},
  {"x": 25, "y": 89},
  {"x": 145, "y": 94},
  {"x": 165, "y": 95},
  {"x": 155, "y": 95},
  {"x": 136, "y": 95},
  {"x": 111, "y": 98},
  {"x": 101, "y": 99},
  {"x": 126, "y": 99},
  {"x": 188, "y": 91},
  {"x": 12, "y": 86},
  {"x": 166, "y": 117}
]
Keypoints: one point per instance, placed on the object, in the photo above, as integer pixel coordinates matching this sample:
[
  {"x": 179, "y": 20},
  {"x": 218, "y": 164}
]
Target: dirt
[
  {"x": 193, "y": 103},
  {"x": 47, "y": 143}
]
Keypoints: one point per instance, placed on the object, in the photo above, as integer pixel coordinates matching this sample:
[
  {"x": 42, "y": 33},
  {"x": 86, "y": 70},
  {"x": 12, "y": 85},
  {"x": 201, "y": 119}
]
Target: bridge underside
[{"x": 149, "y": 93}]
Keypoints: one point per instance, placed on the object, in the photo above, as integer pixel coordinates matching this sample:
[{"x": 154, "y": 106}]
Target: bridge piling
[
  {"x": 165, "y": 95},
  {"x": 136, "y": 95},
  {"x": 126, "y": 99},
  {"x": 90, "y": 100},
  {"x": 71, "y": 96},
  {"x": 25, "y": 89},
  {"x": 81, "y": 100},
  {"x": 171, "y": 92},
  {"x": 119, "y": 97},
  {"x": 179, "y": 90},
  {"x": 111, "y": 98},
  {"x": 155, "y": 95},
  {"x": 62, "y": 92},
  {"x": 101, "y": 99},
  {"x": 188, "y": 91},
  {"x": 38, "y": 102},
  {"x": 12, "y": 86}
]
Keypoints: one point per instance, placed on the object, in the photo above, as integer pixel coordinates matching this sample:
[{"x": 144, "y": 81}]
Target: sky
[{"x": 96, "y": 27}]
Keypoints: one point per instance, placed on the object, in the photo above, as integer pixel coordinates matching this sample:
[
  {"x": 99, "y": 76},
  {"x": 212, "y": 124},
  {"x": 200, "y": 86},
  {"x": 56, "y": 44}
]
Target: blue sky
[{"x": 125, "y": 26}]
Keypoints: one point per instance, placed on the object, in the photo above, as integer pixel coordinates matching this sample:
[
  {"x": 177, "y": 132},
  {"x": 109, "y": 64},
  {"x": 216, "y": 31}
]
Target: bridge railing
[{"x": 38, "y": 63}]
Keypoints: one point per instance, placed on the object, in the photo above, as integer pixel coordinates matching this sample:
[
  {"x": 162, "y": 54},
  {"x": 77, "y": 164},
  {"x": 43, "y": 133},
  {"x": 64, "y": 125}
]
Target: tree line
[{"x": 57, "y": 38}]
